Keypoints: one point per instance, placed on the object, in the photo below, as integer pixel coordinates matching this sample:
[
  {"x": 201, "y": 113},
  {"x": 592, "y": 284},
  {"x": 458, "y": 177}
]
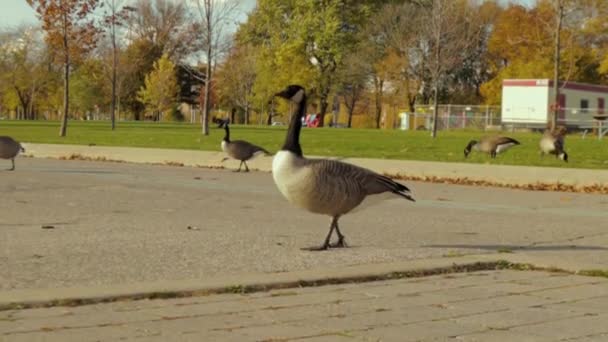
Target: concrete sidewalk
[
  {"x": 478, "y": 306},
  {"x": 519, "y": 175}
]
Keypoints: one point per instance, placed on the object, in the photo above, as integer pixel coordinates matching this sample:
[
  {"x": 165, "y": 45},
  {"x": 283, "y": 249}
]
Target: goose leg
[
  {"x": 341, "y": 241},
  {"x": 326, "y": 244},
  {"x": 13, "y": 161},
  {"x": 493, "y": 154},
  {"x": 246, "y": 168},
  {"x": 239, "y": 170}
]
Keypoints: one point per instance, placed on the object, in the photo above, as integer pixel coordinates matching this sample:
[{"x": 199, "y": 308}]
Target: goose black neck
[
  {"x": 292, "y": 141},
  {"x": 227, "y": 135}
]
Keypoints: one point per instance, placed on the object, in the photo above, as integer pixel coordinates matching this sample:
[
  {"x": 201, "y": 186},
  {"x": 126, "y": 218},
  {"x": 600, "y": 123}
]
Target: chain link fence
[
  {"x": 456, "y": 117},
  {"x": 451, "y": 117}
]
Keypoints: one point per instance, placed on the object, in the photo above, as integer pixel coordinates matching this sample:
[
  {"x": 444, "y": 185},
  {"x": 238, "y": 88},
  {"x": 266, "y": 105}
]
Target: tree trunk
[
  {"x": 24, "y": 100},
  {"x": 66, "y": 80},
  {"x": 378, "y": 87},
  {"x": 556, "y": 109},
  {"x": 323, "y": 104},
  {"x": 247, "y": 114},
  {"x": 435, "y": 108},
  {"x": 114, "y": 66},
  {"x": 270, "y": 114},
  {"x": 207, "y": 101},
  {"x": 232, "y": 115}
]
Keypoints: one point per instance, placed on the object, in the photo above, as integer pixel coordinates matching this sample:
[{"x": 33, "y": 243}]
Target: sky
[{"x": 16, "y": 12}]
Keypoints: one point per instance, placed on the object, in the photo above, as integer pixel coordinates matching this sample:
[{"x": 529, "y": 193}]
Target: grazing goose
[
  {"x": 323, "y": 186},
  {"x": 492, "y": 145},
  {"x": 552, "y": 142},
  {"x": 9, "y": 149},
  {"x": 240, "y": 149}
]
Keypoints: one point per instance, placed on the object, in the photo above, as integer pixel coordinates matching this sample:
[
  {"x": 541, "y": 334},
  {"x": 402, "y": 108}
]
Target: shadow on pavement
[{"x": 520, "y": 247}]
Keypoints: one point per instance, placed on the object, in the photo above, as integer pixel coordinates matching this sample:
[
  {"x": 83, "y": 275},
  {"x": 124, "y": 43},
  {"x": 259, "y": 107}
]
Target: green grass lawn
[{"x": 389, "y": 144}]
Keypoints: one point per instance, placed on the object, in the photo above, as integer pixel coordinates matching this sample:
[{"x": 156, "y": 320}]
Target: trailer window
[{"x": 584, "y": 105}]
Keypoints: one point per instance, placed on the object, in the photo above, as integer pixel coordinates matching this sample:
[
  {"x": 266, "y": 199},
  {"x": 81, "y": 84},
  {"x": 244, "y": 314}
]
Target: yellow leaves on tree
[{"x": 160, "y": 91}]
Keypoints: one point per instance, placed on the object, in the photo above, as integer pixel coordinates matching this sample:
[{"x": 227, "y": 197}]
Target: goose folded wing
[
  {"x": 357, "y": 181},
  {"x": 506, "y": 140}
]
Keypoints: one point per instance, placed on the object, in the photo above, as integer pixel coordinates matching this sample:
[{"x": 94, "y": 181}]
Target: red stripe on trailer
[
  {"x": 584, "y": 87},
  {"x": 549, "y": 83},
  {"x": 522, "y": 83}
]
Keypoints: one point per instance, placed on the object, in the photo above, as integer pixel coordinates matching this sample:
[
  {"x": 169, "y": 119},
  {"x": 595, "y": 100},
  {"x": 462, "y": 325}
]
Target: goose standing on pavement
[
  {"x": 323, "y": 186},
  {"x": 9, "y": 149},
  {"x": 492, "y": 145},
  {"x": 240, "y": 150},
  {"x": 552, "y": 142}
]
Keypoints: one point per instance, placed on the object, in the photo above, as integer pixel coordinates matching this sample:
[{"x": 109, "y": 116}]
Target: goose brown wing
[
  {"x": 352, "y": 180},
  {"x": 505, "y": 140},
  {"x": 242, "y": 150}
]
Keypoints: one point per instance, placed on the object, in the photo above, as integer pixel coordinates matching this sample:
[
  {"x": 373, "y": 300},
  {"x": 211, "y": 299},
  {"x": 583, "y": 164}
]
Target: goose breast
[{"x": 321, "y": 186}]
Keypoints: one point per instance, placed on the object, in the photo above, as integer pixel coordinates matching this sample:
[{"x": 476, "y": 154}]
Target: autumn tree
[
  {"x": 115, "y": 16},
  {"x": 160, "y": 91},
  {"x": 88, "y": 90},
  {"x": 448, "y": 32},
  {"x": 388, "y": 42},
  {"x": 154, "y": 28},
  {"x": 136, "y": 63},
  {"x": 595, "y": 35},
  {"x": 165, "y": 24},
  {"x": 69, "y": 31},
  {"x": 352, "y": 81},
  {"x": 24, "y": 68},
  {"x": 235, "y": 79},
  {"x": 320, "y": 33},
  {"x": 214, "y": 16}
]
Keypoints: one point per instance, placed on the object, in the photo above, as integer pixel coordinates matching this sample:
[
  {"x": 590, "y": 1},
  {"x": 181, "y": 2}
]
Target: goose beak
[{"x": 282, "y": 94}]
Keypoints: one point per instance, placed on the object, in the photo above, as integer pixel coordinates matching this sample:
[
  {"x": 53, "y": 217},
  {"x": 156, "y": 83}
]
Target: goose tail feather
[{"x": 397, "y": 188}]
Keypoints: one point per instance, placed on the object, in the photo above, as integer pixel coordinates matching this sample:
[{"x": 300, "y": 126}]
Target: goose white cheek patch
[{"x": 298, "y": 96}]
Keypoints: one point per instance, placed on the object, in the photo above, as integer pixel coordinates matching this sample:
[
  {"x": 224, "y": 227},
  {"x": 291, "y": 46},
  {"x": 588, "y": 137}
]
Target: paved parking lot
[
  {"x": 115, "y": 223},
  {"x": 93, "y": 225}
]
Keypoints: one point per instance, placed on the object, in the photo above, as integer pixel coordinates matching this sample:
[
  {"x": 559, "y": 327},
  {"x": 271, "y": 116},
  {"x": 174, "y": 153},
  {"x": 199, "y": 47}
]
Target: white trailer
[{"x": 529, "y": 102}]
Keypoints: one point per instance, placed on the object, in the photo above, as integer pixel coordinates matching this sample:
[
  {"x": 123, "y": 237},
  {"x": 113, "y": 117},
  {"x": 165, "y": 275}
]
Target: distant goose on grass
[
  {"x": 240, "y": 149},
  {"x": 492, "y": 145},
  {"x": 552, "y": 142},
  {"x": 323, "y": 186},
  {"x": 9, "y": 149}
]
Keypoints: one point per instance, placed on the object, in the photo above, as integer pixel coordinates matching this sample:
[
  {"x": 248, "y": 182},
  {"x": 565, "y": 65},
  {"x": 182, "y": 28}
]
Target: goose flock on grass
[{"x": 325, "y": 186}]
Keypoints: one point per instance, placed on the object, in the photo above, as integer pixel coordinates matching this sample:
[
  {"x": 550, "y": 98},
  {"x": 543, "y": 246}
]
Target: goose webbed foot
[
  {"x": 341, "y": 243},
  {"x": 246, "y": 167}
]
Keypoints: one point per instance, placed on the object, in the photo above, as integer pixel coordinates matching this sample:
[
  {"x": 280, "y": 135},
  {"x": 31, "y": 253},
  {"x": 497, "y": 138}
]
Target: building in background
[{"x": 528, "y": 102}]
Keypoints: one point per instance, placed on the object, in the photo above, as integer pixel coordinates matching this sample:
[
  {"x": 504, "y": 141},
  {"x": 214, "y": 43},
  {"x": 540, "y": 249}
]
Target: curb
[{"x": 78, "y": 296}]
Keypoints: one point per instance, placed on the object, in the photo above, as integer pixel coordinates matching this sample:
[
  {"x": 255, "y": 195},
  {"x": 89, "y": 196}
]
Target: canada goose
[
  {"x": 323, "y": 186},
  {"x": 492, "y": 145},
  {"x": 9, "y": 149},
  {"x": 552, "y": 142},
  {"x": 240, "y": 149}
]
